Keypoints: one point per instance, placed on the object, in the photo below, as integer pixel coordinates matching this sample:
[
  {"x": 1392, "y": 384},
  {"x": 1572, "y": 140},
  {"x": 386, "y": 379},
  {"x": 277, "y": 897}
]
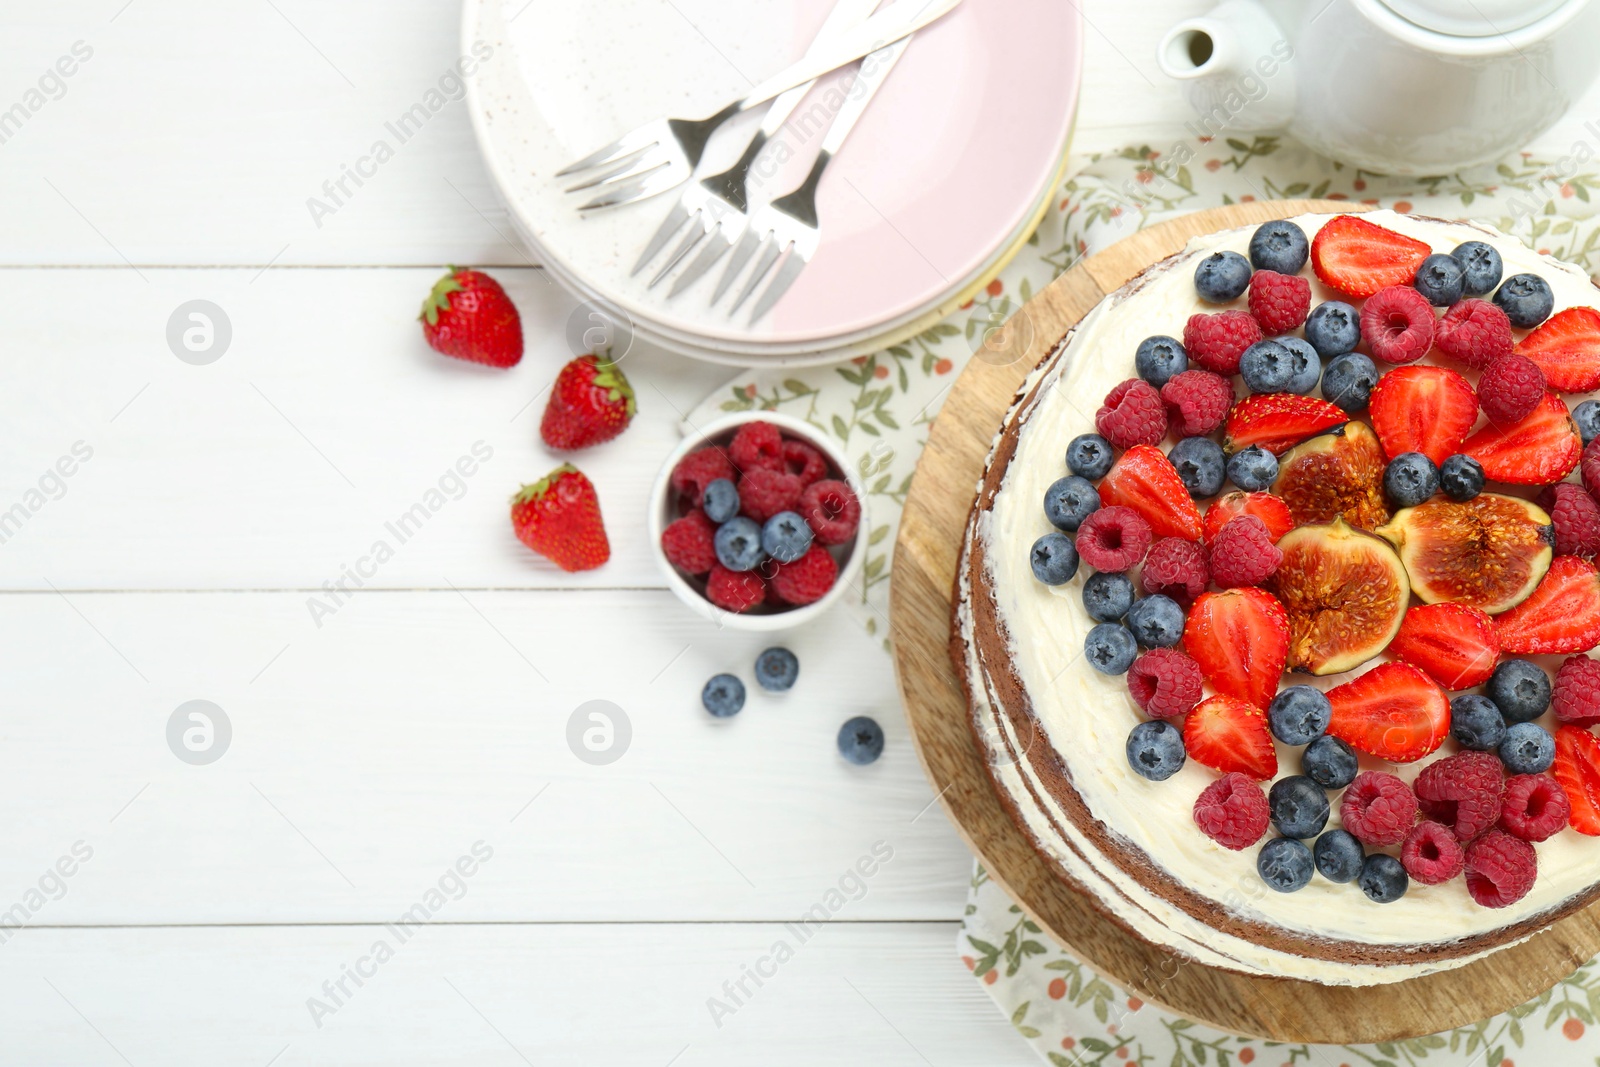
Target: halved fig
[
  {"x": 1345, "y": 593},
  {"x": 1487, "y": 553},
  {"x": 1338, "y": 475}
]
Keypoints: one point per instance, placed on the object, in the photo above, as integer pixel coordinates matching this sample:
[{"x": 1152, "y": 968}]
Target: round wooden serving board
[{"x": 936, "y": 511}]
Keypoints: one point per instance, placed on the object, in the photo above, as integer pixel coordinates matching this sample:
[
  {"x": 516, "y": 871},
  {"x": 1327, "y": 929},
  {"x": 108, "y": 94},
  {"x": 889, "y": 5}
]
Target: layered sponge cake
[{"x": 1276, "y": 604}]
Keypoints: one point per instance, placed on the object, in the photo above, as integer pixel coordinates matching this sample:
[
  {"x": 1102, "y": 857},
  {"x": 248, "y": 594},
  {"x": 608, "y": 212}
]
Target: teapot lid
[{"x": 1475, "y": 18}]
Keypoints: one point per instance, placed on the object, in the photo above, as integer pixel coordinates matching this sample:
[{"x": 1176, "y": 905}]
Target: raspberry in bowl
[{"x": 758, "y": 521}]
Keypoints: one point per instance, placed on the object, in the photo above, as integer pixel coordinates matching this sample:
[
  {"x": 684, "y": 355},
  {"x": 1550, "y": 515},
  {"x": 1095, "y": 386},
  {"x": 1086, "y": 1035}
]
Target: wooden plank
[
  {"x": 325, "y": 421},
  {"x": 366, "y": 755},
  {"x": 930, "y": 533},
  {"x": 854, "y": 993}
]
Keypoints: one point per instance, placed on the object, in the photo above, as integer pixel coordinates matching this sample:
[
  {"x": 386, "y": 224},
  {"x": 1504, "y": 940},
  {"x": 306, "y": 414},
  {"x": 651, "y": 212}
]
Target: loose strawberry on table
[
  {"x": 590, "y": 403},
  {"x": 469, "y": 316},
  {"x": 559, "y": 518}
]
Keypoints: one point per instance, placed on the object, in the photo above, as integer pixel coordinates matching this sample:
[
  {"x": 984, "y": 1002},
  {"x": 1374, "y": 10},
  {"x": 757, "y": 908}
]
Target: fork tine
[
  {"x": 697, "y": 233},
  {"x": 741, "y": 255},
  {"x": 669, "y": 226},
  {"x": 631, "y": 166},
  {"x": 717, "y": 245},
  {"x": 657, "y": 181},
  {"x": 780, "y": 284},
  {"x": 770, "y": 251},
  {"x": 629, "y": 143}
]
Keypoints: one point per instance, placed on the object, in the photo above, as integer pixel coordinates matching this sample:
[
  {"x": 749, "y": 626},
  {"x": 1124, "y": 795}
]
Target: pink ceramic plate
[{"x": 950, "y": 160}]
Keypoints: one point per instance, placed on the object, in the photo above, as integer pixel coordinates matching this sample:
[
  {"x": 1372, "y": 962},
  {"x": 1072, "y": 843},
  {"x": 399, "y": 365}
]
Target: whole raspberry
[
  {"x": 1176, "y": 568},
  {"x": 1165, "y": 683},
  {"x": 804, "y": 462},
  {"x": 1463, "y": 792},
  {"x": 1113, "y": 539},
  {"x": 763, "y": 493},
  {"x": 757, "y": 446},
  {"x": 699, "y": 469},
  {"x": 1576, "y": 518},
  {"x": 1398, "y": 324},
  {"x": 1576, "y": 693},
  {"x": 1132, "y": 415},
  {"x": 1233, "y": 811},
  {"x": 737, "y": 591},
  {"x": 831, "y": 510},
  {"x": 1378, "y": 808},
  {"x": 1500, "y": 869},
  {"x": 688, "y": 545},
  {"x": 1242, "y": 553},
  {"x": 1474, "y": 332},
  {"x": 1509, "y": 389},
  {"x": 1279, "y": 302},
  {"x": 1197, "y": 402},
  {"x": 806, "y": 579},
  {"x": 1215, "y": 342},
  {"x": 1589, "y": 468},
  {"x": 1535, "y": 807},
  {"x": 1431, "y": 854}
]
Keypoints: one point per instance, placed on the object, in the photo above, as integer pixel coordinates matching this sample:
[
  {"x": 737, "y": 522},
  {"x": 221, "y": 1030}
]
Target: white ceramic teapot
[{"x": 1396, "y": 86}]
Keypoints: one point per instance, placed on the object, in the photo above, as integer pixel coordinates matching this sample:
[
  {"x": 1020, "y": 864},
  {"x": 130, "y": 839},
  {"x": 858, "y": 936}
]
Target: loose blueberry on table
[{"x": 1383, "y": 526}]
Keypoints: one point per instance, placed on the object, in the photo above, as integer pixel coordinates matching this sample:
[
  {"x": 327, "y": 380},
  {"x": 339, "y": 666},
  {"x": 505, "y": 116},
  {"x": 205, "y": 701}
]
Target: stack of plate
[{"x": 956, "y": 160}]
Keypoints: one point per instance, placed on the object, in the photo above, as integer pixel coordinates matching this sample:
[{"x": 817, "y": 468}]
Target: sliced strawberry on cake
[
  {"x": 1231, "y": 735},
  {"x": 1358, "y": 257},
  {"x": 1240, "y": 639},
  {"x": 1577, "y": 769},
  {"x": 1567, "y": 348},
  {"x": 1144, "y": 479},
  {"x": 1278, "y": 421},
  {"x": 1423, "y": 409},
  {"x": 1562, "y": 614},
  {"x": 1539, "y": 450},
  {"x": 1456, "y": 645},
  {"x": 1394, "y": 712},
  {"x": 1270, "y": 509}
]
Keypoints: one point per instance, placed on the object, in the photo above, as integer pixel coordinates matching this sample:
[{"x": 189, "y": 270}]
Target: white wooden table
[{"x": 426, "y": 716}]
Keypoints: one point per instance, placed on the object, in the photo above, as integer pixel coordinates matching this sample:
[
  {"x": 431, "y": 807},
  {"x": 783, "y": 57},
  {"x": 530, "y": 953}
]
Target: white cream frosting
[{"x": 1085, "y": 716}]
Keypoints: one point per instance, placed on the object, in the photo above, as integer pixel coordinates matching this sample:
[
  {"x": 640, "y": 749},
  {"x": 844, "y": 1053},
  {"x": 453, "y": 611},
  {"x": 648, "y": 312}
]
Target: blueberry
[
  {"x": 1520, "y": 689},
  {"x": 786, "y": 537},
  {"x": 1441, "y": 280},
  {"x": 1253, "y": 469},
  {"x": 777, "y": 669},
  {"x": 1284, "y": 864},
  {"x": 1279, "y": 246},
  {"x": 1304, "y": 362},
  {"x": 1299, "y": 806},
  {"x": 1527, "y": 749},
  {"x": 1069, "y": 501},
  {"x": 723, "y": 696},
  {"x": 1266, "y": 367},
  {"x": 1526, "y": 299},
  {"x": 1298, "y": 716},
  {"x": 1155, "y": 750},
  {"x": 1107, "y": 597},
  {"x": 1587, "y": 416},
  {"x": 1222, "y": 277},
  {"x": 1054, "y": 559},
  {"x": 1159, "y": 358},
  {"x": 1333, "y": 328},
  {"x": 1329, "y": 762},
  {"x": 1156, "y": 622},
  {"x": 1338, "y": 856},
  {"x": 1110, "y": 648},
  {"x": 738, "y": 544},
  {"x": 1348, "y": 380},
  {"x": 1480, "y": 267},
  {"x": 1410, "y": 479},
  {"x": 1476, "y": 723},
  {"x": 720, "y": 500},
  {"x": 1200, "y": 465},
  {"x": 1089, "y": 456},
  {"x": 1383, "y": 879},
  {"x": 861, "y": 740},
  {"x": 1461, "y": 477}
]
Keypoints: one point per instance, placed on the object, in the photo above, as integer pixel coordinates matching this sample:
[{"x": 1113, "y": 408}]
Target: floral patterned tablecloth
[{"x": 879, "y": 406}]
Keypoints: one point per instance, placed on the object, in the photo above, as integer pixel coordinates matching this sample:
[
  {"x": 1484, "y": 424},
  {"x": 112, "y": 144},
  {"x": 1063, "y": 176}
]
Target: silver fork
[
  {"x": 663, "y": 153},
  {"x": 718, "y": 207},
  {"x": 790, "y": 224}
]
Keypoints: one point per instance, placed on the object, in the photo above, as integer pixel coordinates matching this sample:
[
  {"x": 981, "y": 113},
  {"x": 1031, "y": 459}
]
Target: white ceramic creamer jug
[{"x": 1397, "y": 86}]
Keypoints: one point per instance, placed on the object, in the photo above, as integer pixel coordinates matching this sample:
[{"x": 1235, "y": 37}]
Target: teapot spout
[{"x": 1235, "y": 65}]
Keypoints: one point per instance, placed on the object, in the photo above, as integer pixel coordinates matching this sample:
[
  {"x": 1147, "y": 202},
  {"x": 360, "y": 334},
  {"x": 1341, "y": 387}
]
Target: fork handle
[
  {"x": 878, "y": 32},
  {"x": 869, "y": 79}
]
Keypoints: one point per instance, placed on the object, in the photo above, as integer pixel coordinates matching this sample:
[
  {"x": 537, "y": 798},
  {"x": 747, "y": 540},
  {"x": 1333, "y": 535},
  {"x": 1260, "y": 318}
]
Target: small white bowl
[{"x": 768, "y": 617}]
